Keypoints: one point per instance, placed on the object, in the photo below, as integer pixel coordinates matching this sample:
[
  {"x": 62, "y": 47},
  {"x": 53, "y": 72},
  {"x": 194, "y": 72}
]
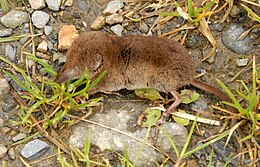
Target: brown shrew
[{"x": 131, "y": 62}]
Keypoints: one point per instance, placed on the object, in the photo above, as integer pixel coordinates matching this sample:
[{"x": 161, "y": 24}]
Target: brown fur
[{"x": 131, "y": 62}]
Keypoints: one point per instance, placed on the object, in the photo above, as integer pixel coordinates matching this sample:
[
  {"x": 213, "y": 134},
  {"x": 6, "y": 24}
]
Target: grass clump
[
  {"x": 52, "y": 99},
  {"x": 246, "y": 102}
]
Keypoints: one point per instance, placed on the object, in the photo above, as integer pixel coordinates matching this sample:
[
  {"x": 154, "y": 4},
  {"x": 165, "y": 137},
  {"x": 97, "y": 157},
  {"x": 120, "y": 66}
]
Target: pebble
[
  {"x": 117, "y": 29},
  {"x": 62, "y": 59},
  {"x": 47, "y": 30},
  {"x": 34, "y": 149},
  {"x": 54, "y": 4},
  {"x": 67, "y": 35},
  {"x": 56, "y": 56},
  {"x": 200, "y": 104},
  {"x": 10, "y": 52},
  {"x": 82, "y": 5},
  {"x": 18, "y": 137},
  {"x": 14, "y": 18},
  {"x": 113, "y": 7},
  {"x": 114, "y": 18},
  {"x": 9, "y": 104},
  {"x": 40, "y": 19},
  {"x": 4, "y": 130},
  {"x": 69, "y": 3},
  {"x": 11, "y": 153},
  {"x": 50, "y": 45},
  {"x": 6, "y": 32},
  {"x": 242, "y": 62},
  {"x": 4, "y": 87},
  {"x": 98, "y": 23},
  {"x": 230, "y": 36},
  {"x": 144, "y": 28},
  {"x": 43, "y": 47},
  {"x": 3, "y": 150},
  {"x": 37, "y": 4}
]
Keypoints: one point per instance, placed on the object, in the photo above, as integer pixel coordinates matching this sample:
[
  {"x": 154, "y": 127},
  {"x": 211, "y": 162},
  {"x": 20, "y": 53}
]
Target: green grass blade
[
  {"x": 97, "y": 79},
  {"x": 24, "y": 86},
  {"x": 13, "y": 38},
  {"x": 253, "y": 14},
  {"x": 32, "y": 109},
  {"x": 4, "y": 6},
  {"x": 185, "y": 147},
  {"x": 48, "y": 68},
  {"x": 174, "y": 14},
  {"x": 177, "y": 153},
  {"x": 142, "y": 147},
  {"x": 230, "y": 94},
  {"x": 221, "y": 136},
  {"x": 190, "y": 8},
  {"x": 196, "y": 12}
]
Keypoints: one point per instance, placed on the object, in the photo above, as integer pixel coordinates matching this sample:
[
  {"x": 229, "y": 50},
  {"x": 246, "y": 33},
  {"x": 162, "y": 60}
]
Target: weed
[
  {"x": 61, "y": 99},
  {"x": 194, "y": 14},
  {"x": 250, "y": 97}
]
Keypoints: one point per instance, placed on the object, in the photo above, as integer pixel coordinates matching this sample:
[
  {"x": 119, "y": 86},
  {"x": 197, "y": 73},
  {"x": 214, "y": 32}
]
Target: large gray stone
[{"x": 14, "y": 18}]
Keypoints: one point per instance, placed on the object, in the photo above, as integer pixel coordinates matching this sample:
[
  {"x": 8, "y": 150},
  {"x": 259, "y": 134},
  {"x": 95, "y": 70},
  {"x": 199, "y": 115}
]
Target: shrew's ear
[{"x": 97, "y": 62}]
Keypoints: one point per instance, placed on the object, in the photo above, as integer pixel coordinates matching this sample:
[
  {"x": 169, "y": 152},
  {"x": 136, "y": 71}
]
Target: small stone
[
  {"x": 62, "y": 59},
  {"x": 114, "y": 18},
  {"x": 11, "y": 153},
  {"x": 117, "y": 29},
  {"x": 82, "y": 5},
  {"x": 47, "y": 30},
  {"x": 67, "y": 35},
  {"x": 40, "y": 19},
  {"x": 50, "y": 45},
  {"x": 43, "y": 47},
  {"x": 144, "y": 28},
  {"x": 113, "y": 7},
  {"x": 230, "y": 39},
  {"x": 37, "y": 4},
  {"x": 54, "y": 4},
  {"x": 10, "y": 52},
  {"x": 34, "y": 149},
  {"x": 98, "y": 23},
  {"x": 6, "y": 32},
  {"x": 14, "y": 18},
  {"x": 4, "y": 87},
  {"x": 56, "y": 56},
  {"x": 4, "y": 130},
  {"x": 242, "y": 62},
  {"x": 69, "y": 3},
  {"x": 18, "y": 137},
  {"x": 3, "y": 150}
]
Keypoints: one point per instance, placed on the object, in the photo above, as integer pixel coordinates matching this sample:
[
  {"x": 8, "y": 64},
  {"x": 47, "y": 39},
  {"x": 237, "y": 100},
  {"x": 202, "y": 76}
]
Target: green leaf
[
  {"x": 148, "y": 93},
  {"x": 181, "y": 121},
  {"x": 189, "y": 96},
  {"x": 153, "y": 115}
]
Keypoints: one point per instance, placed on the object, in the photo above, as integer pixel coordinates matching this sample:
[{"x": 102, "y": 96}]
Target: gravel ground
[{"x": 54, "y": 24}]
